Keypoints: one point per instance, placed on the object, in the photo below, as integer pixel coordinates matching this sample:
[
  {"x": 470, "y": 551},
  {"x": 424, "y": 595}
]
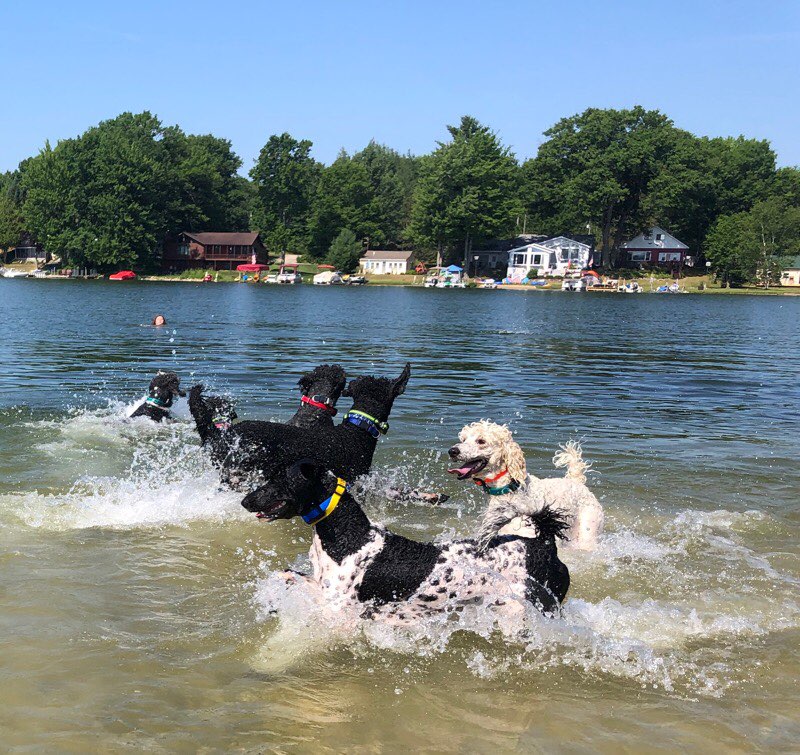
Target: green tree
[
  {"x": 729, "y": 248},
  {"x": 345, "y": 251},
  {"x": 11, "y": 227},
  {"x": 391, "y": 181},
  {"x": 101, "y": 198},
  {"x": 786, "y": 185},
  {"x": 111, "y": 196},
  {"x": 754, "y": 246},
  {"x": 594, "y": 169},
  {"x": 776, "y": 227},
  {"x": 208, "y": 192},
  {"x": 466, "y": 189},
  {"x": 343, "y": 200},
  {"x": 285, "y": 177}
]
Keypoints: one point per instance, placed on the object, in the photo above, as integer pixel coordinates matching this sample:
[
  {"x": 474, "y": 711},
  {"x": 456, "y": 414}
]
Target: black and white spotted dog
[
  {"x": 361, "y": 564},
  {"x": 164, "y": 387}
]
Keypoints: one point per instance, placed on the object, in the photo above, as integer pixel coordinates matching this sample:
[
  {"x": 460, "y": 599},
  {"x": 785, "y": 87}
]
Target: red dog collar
[
  {"x": 318, "y": 405},
  {"x": 485, "y": 480}
]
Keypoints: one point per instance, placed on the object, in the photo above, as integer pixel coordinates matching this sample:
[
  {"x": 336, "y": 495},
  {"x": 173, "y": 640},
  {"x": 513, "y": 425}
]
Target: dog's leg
[{"x": 587, "y": 526}]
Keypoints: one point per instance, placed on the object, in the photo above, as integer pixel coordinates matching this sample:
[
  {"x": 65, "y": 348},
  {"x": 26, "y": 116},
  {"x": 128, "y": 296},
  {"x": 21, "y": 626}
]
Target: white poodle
[{"x": 489, "y": 450}]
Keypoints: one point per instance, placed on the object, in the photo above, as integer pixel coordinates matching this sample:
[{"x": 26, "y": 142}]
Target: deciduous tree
[
  {"x": 466, "y": 189},
  {"x": 285, "y": 176}
]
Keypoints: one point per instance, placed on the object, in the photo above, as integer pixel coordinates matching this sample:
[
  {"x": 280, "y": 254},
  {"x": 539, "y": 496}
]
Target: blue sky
[{"x": 342, "y": 73}]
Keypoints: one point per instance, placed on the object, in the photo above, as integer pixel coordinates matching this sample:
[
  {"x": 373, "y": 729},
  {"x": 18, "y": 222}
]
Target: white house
[
  {"x": 656, "y": 247},
  {"x": 790, "y": 276},
  {"x": 379, "y": 262},
  {"x": 531, "y": 257},
  {"x": 554, "y": 256},
  {"x": 570, "y": 254}
]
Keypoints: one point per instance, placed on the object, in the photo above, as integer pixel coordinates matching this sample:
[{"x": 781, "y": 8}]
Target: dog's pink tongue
[{"x": 460, "y": 470}]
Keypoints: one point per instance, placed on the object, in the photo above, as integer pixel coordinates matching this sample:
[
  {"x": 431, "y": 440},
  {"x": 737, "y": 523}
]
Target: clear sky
[{"x": 342, "y": 73}]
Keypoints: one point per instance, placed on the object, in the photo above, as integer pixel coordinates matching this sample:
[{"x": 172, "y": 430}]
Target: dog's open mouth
[
  {"x": 470, "y": 468},
  {"x": 273, "y": 511}
]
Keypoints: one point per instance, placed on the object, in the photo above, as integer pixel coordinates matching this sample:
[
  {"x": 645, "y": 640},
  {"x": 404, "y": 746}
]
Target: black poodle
[
  {"x": 214, "y": 415},
  {"x": 256, "y": 448},
  {"x": 400, "y": 579},
  {"x": 164, "y": 387},
  {"x": 320, "y": 390}
]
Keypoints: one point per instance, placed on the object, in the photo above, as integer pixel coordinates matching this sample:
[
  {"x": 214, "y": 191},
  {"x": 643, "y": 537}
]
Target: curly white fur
[{"x": 507, "y": 513}]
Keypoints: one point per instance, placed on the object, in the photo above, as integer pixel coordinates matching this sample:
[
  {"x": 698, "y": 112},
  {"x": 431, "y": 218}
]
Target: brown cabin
[{"x": 217, "y": 251}]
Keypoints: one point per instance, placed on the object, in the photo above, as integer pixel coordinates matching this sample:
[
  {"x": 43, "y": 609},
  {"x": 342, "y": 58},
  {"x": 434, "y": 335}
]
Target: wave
[{"x": 674, "y": 628}]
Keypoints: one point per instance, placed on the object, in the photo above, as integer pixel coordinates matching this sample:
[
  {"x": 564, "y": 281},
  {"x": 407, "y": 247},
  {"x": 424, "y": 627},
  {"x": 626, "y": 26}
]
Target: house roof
[
  {"x": 794, "y": 263},
  {"x": 532, "y": 247},
  {"x": 378, "y": 254},
  {"x": 642, "y": 244},
  {"x": 587, "y": 241},
  {"x": 230, "y": 239}
]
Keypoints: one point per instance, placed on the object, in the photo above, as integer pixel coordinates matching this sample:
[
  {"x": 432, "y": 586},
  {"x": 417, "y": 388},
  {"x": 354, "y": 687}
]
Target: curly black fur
[
  {"x": 402, "y": 566},
  {"x": 255, "y": 448},
  {"x": 164, "y": 387},
  {"x": 327, "y": 380}
]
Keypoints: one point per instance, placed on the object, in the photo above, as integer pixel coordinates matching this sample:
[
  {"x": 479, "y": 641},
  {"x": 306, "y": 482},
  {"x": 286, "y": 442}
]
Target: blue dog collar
[
  {"x": 157, "y": 402},
  {"x": 326, "y": 508},
  {"x": 374, "y": 427}
]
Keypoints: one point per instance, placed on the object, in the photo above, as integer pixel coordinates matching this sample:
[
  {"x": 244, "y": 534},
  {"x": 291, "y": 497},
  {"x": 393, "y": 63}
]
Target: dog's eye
[{"x": 481, "y": 442}]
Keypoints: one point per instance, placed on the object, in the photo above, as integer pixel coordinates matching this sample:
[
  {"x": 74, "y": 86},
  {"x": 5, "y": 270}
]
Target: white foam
[
  {"x": 664, "y": 631},
  {"x": 125, "y": 504}
]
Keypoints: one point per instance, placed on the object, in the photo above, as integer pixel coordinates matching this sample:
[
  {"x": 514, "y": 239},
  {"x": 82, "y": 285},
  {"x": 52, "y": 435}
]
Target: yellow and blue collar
[{"x": 327, "y": 507}]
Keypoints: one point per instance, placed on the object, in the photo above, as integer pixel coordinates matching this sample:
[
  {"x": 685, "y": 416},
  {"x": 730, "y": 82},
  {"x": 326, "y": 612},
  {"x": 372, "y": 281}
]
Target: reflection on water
[{"x": 140, "y": 603}]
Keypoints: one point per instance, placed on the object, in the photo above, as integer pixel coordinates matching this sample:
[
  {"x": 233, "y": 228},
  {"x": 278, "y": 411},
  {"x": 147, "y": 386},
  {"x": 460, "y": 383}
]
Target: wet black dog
[
  {"x": 253, "y": 449},
  {"x": 357, "y": 562},
  {"x": 164, "y": 387}
]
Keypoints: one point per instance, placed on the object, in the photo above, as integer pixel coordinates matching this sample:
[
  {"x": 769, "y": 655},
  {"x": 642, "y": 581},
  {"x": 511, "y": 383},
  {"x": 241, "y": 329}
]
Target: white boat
[
  {"x": 289, "y": 275},
  {"x": 8, "y": 273},
  {"x": 632, "y": 287},
  {"x": 573, "y": 284},
  {"x": 327, "y": 278},
  {"x": 488, "y": 283}
]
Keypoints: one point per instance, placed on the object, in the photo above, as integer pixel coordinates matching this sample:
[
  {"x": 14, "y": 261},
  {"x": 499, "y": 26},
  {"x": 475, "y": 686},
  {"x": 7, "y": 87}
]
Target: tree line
[{"x": 111, "y": 196}]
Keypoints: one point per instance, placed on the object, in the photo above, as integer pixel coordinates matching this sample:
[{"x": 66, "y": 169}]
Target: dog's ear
[
  {"x": 399, "y": 385},
  {"x": 304, "y": 382},
  {"x": 303, "y": 472},
  {"x": 352, "y": 388},
  {"x": 515, "y": 460},
  {"x": 196, "y": 392}
]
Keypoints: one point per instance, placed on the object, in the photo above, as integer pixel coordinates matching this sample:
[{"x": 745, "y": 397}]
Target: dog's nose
[{"x": 454, "y": 452}]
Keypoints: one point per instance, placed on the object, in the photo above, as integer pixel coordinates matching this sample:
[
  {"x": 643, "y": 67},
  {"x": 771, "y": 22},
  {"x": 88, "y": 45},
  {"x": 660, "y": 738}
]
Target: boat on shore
[
  {"x": 8, "y": 273},
  {"x": 289, "y": 276},
  {"x": 123, "y": 275}
]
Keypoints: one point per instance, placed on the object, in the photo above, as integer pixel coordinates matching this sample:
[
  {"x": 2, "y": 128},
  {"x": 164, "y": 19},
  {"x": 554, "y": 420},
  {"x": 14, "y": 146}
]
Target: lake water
[{"x": 138, "y": 604}]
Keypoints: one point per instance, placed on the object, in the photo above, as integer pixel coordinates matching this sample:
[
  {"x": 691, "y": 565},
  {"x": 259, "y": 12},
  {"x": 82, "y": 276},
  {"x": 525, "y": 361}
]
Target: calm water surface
[{"x": 139, "y": 606}]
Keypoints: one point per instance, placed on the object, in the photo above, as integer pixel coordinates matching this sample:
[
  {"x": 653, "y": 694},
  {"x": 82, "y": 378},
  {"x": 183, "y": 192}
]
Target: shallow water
[{"x": 138, "y": 602}]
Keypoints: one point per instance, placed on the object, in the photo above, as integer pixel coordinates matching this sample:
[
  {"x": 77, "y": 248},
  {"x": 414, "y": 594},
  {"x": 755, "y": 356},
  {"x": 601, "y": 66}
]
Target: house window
[
  {"x": 659, "y": 237},
  {"x": 640, "y": 256},
  {"x": 518, "y": 260},
  {"x": 648, "y": 235},
  {"x": 537, "y": 259},
  {"x": 183, "y": 250},
  {"x": 669, "y": 256}
]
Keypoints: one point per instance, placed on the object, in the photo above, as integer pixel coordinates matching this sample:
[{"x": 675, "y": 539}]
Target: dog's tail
[
  {"x": 550, "y": 523},
  {"x": 571, "y": 457},
  {"x": 201, "y": 411}
]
